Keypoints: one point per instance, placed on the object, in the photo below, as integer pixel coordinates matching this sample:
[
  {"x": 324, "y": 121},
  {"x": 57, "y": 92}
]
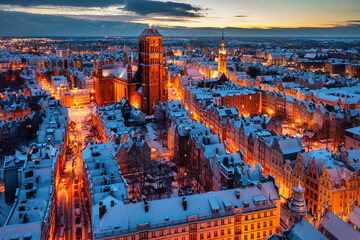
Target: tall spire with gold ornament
[{"x": 222, "y": 56}]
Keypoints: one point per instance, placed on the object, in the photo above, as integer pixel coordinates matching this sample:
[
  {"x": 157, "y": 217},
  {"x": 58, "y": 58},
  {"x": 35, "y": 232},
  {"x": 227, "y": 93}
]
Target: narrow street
[{"x": 73, "y": 217}]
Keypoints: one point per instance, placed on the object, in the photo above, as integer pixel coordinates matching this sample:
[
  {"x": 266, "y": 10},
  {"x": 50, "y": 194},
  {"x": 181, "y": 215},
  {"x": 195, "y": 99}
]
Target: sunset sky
[{"x": 180, "y": 17}]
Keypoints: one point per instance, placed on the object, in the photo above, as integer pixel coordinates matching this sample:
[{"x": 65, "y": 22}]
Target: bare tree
[
  {"x": 307, "y": 142},
  {"x": 162, "y": 175},
  {"x": 72, "y": 126}
]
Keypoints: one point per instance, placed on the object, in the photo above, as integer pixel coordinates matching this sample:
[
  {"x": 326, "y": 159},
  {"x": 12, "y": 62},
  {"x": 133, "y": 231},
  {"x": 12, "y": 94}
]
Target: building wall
[
  {"x": 338, "y": 196},
  {"x": 351, "y": 143},
  {"x": 11, "y": 182},
  {"x": 247, "y": 104},
  {"x": 151, "y": 71},
  {"x": 253, "y": 224}
]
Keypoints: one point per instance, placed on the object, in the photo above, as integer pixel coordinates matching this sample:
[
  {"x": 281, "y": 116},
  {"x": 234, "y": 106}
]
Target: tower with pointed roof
[
  {"x": 151, "y": 70},
  {"x": 222, "y": 56},
  {"x": 297, "y": 204}
]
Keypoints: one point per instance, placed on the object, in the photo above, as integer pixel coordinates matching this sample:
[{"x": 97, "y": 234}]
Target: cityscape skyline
[
  {"x": 180, "y": 18},
  {"x": 179, "y": 120}
]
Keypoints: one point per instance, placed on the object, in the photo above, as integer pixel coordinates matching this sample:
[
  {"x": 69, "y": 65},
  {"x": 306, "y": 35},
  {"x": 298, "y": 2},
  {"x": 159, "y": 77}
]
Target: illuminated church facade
[{"x": 144, "y": 85}]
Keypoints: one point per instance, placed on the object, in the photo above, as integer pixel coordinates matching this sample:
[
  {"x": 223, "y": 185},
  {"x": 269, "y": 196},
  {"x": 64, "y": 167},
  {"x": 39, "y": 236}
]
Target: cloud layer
[
  {"x": 74, "y": 3},
  {"x": 145, "y": 7},
  {"x": 129, "y": 17}
]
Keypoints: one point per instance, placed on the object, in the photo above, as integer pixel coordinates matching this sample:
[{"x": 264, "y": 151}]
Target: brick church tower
[
  {"x": 151, "y": 70},
  {"x": 222, "y": 56}
]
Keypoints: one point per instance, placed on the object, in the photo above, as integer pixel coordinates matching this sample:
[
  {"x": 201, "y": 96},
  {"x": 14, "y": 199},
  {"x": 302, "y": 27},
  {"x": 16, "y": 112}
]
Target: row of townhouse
[
  {"x": 240, "y": 214},
  {"x": 345, "y": 101},
  {"x": 278, "y": 156},
  {"x": 112, "y": 119},
  {"x": 104, "y": 185},
  {"x": 289, "y": 89},
  {"x": 6, "y": 94},
  {"x": 132, "y": 151},
  {"x": 216, "y": 117},
  {"x": 195, "y": 147},
  {"x": 12, "y": 62},
  {"x": 14, "y": 133},
  {"x": 106, "y": 164},
  {"x": 250, "y": 135},
  {"x": 313, "y": 116},
  {"x": 185, "y": 148},
  {"x": 330, "y": 180},
  {"x": 261, "y": 145},
  {"x": 20, "y": 118},
  {"x": 31, "y": 177},
  {"x": 15, "y": 111},
  {"x": 198, "y": 91},
  {"x": 247, "y": 101},
  {"x": 345, "y": 97},
  {"x": 55, "y": 128},
  {"x": 33, "y": 102},
  {"x": 259, "y": 214},
  {"x": 204, "y": 106},
  {"x": 107, "y": 120},
  {"x": 241, "y": 78},
  {"x": 276, "y": 153},
  {"x": 131, "y": 147}
]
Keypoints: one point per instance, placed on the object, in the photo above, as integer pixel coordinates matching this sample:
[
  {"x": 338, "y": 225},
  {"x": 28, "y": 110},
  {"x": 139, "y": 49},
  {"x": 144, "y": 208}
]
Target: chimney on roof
[
  {"x": 146, "y": 205},
  {"x": 102, "y": 210},
  {"x": 25, "y": 219},
  {"x": 184, "y": 203},
  {"x": 226, "y": 161},
  {"x": 237, "y": 194}
]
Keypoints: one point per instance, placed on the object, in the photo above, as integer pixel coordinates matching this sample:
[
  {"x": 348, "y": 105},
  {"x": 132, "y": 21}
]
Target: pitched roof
[
  {"x": 303, "y": 230},
  {"x": 150, "y": 32},
  {"x": 354, "y": 216},
  {"x": 338, "y": 228},
  {"x": 290, "y": 145}
]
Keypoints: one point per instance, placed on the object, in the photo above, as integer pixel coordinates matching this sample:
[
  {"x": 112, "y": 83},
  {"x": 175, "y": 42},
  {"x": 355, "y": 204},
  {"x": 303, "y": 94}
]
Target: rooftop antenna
[{"x": 222, "y": 35}]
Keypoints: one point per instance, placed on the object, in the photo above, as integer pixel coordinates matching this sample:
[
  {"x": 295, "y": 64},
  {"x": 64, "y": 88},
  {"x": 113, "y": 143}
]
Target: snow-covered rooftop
[
  {"x": 167, "y": 212},
  {"x": 337, "y": 227}
]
